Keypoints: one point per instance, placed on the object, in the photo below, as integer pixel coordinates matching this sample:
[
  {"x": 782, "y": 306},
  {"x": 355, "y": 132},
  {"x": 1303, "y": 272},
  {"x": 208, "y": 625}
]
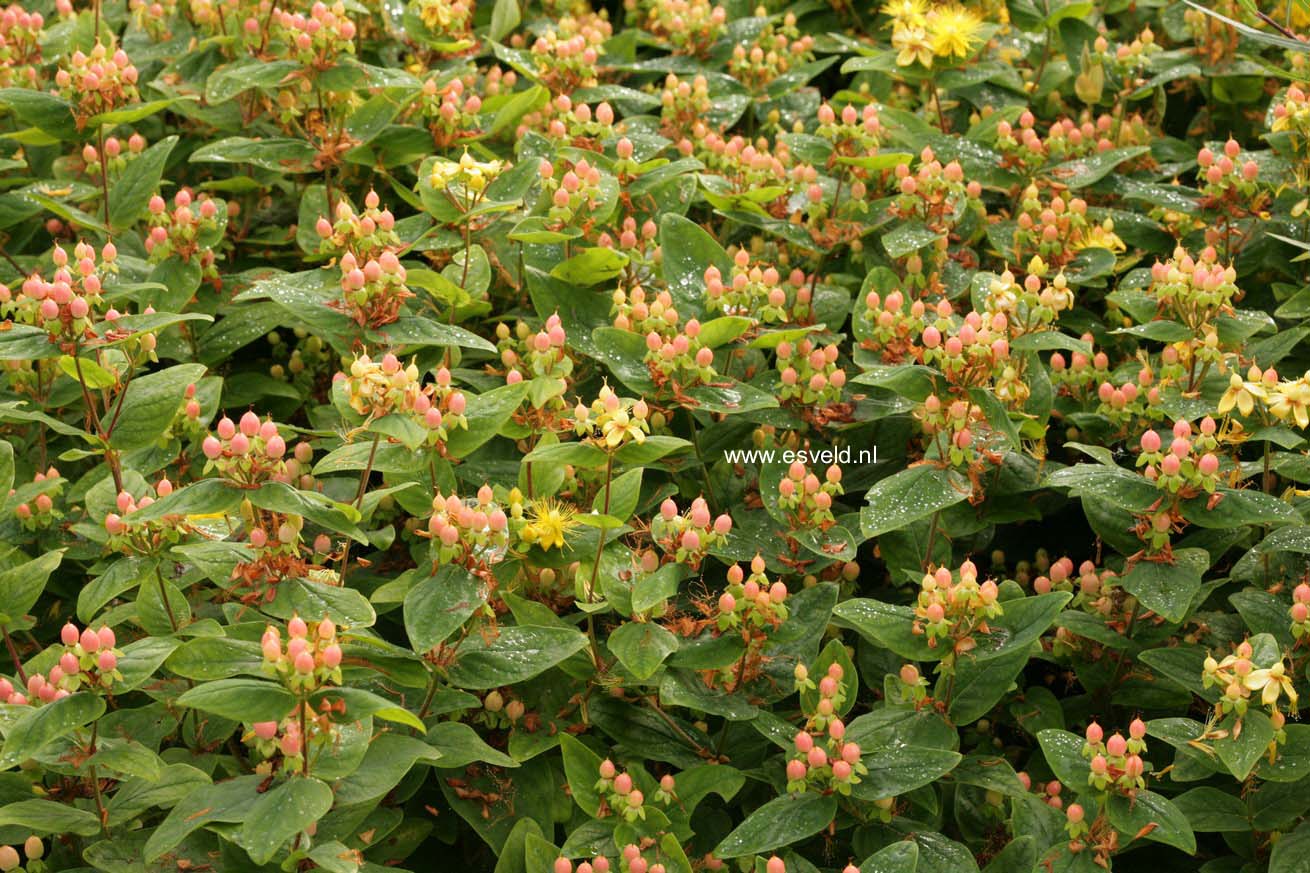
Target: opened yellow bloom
[
  {"x": 1291, "y": 402},
  {"x": 911, "y": 44},
  {"x": 1271, "y": 683},
  {"x": 1240, "y": 394},
  {"x": 550, "y": 522},
  {"x": 906, "y": 13},
  {"x": 953, "y": 31}
]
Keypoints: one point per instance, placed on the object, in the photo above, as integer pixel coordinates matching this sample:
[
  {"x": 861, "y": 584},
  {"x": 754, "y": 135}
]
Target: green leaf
[
  {"x": 228, "y": 802},
  {"x": 275, "y": 153},
  {"x": 907, "y": 496},
  {"x": 147, "y": 408},
  {"x": 206, "y": 658},
  {"x": 439, "y": 605},
  {"x": 138, "y": 183},
  {"x": 591, "y": 266},
  {"x": 1291, "y": 852},
  {"x": 41, "y": 110},
  {"x": 49, "y": 817},
  {"x": 582, "y": 770},
  {"x": 688, "y": 250},
  {"x": 902, "y": 857},
  {"x": 20, "y": 586},
  {"x": 281, "y": 813},
  {"x": 780, "y": 822},
  {"x": 487, "y": 414},
  {"x": 1064, "y": 755},
  {"x": 505, "y": 16},
  {"x": 513, "y": 655},
  {"x": 1081, "y": 172},
  {"x": 1247, "y": 742},
  {"x": 243, "y": 700},
  {"x": 38, "y": 727},
  {"x": 314, "y": 507},
  {"x": 234, "y": 79},
  {"x": 907, "y": 238},
  {"x": 6, "y": 466},
  {"x": 1154, "y": 817},
  {"x": 641, "y": 647},
  {"x": 900, "y": 770},
  {"x": 1168, "y": 589}
]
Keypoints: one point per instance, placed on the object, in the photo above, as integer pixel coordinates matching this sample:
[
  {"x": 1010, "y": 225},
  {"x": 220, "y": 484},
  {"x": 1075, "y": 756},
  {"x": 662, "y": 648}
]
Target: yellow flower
[
  {"x": 1291, "y": 401},
  {"x": 953, "y": 31},
  {"x": 1102, "y": 236},
  {"x": 905, "y": 13},
  {"x": 1241, "y": 394},
  {"x": 1271, "y": 683},
  {"x": 622, "y": 427},
  {"x": 550, "y": 522},
  {"x": 911, "y": 44}
]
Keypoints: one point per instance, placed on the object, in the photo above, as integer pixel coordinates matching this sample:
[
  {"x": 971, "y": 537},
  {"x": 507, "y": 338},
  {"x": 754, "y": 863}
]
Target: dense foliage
[{"x": 531, "y": 438}]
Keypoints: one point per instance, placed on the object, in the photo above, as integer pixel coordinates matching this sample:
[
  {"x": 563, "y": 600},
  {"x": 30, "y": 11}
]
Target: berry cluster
[
  {"x": 316, "y": 40},
  {"x": 1227, "y": 177},
  {"x": 249, "y": 453},
  {"x": 538, "y": 355},
  {"x": 1031, "y": 305},
  {"x": 311, "y": 657},
  {"x": 115, "y": 160},
  {"x": 1300, "y": 611},
  {"x": 825, "y": 761},
  {"x": 470, "y": 532},
  {"x": 89, "y": 660},
  {"x": 379, "y": 388},
  {"x": 683, "y": 104},
  {"x": 623, "y": 798},
  {"x": 188, "y": 231},
  {"x": 1079, "y": 374},
  {"x": 1189, "y": 466},
  {"x": 452, "y": 108},
  {"x": 1055, "y": 229},
  {"x": 691, "y": 535},
  {"x": 809, "y": 373},
  {"x": 935, "y": 193},
  {"x": 756, "y": 291},
  {"x": 751, "y": 603},
  {"x": 1117, "y": 762},
  {"x": 33, "y": 852},
  {"x": 1194, "y": 291},
  {"x": 948, "y": 427},
  {"x": 637, "y": 243},
  {"x": 38, "y": 511},
  {"x": 953, "y": 607},
  {"x": 20, "y": 45},
  {"x": 576, "y": 193},
  {"x": 854, "y": 133},
  {"x": 374, "y": 292},
  {"x": 688, "y": 26},
  {"x": 144, "y": 537},
  {"x": 565, "y": 55},
  {"x": 891, "y": 328},
  {"x": 366, "y": 235},
  {"x": 66, "y": 305},
  {"x": 99, "y": 82},
  {"x": 776, "y": 49},
  {"x": 806, "y": 500},
  {"x": 563, "y": 120},
  {"x": 756, "y": 170}
]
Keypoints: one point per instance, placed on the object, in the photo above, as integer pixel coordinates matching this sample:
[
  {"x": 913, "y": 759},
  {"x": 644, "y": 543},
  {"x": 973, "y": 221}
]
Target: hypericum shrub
[{"x": 655, "y": 437}]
